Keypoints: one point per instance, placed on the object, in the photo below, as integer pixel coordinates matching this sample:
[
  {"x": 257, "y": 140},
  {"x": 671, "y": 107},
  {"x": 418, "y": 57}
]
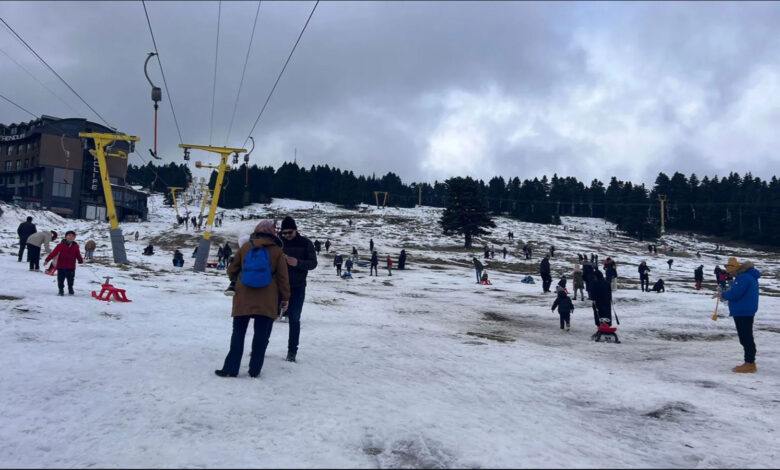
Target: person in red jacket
[{"x": 68, "y": 253}]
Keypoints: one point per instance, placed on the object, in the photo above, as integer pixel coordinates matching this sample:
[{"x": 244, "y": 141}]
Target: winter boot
[
  {"x": 70, "y": 291},
  {"x": 568, "y": 327},
  {"x": 231, "y": 290},
  {"x": 746, "y": 368},
  {"x": 61, "y": 292},
  {"x": 291, "y": 357},
  {"x": 222, "y": 373}
]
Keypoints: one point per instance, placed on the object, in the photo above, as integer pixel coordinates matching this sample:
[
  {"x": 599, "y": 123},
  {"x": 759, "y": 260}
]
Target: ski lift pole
[
  {"x": 156, "y": 97},
  {"x": 224, "y": 152},
  {"x": 206, "y": 195},
  {"x": 101, "y": 141},
  {"x": 173, "y": 197}
]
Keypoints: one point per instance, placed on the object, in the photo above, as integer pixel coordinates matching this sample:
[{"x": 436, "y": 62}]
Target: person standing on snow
[
  {"x": 565, "y": 308},
  {"x": 389, "y": 266},
  {"x": 374, "y": 264},
  {"x": 24, "y": 231},
  {"x": 338, "y": 260},
  {"x": 578, "y": 282},
  {"x": 478, "y": 267},
  {"x": 301, "y": 258},
  {"x": 743, "y": 305},
  {"x": 544, "y": 271},
  {"x": 644, "y": 277},
  {"x": 67, "y": 253},
  {"x": 504, "y": 252},
  {"x": 611, "y": 273},
  {"x": 371, "y": 245},
  {"x": 327, "y": 245},
  {"x": 698, "y": 276},
  {"x": 89, "y": 249},
  {"x": 402, "y": 260},
  {"x": 602, "y": 299},
  {"x": 317, "y": 246},
  {"x": 261, "y": 304}
]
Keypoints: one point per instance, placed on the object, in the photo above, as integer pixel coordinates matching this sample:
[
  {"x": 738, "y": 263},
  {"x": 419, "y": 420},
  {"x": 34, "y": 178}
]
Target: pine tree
[{"x": 466, "y": 212}]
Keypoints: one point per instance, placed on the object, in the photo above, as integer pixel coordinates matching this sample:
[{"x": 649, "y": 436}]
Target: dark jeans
[
  {"x": 546, "y": 282},
  {"x": 479, "y": 274},
  {"x": 645, "y": 282},
  {"x": 22, "y": 246},
  {"x": 263, "y": 326},
  {"x": 63, "y": 274},
  {"x": 565, "y": 317},
  {"x": 338, "y": 269},
  {"x": 582, "y": 293},
  {"x": 34, "y": 256},
  {"x": 745, "y": 331},
  {"x": 294, "y": 309},
  {"x": 373, "y": 269}
]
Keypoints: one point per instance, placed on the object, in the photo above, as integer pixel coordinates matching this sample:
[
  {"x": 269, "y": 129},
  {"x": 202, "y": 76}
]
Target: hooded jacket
[
  {"x": 743, "y": 294},
  {"x": 263, "y": 300},
  {"x": 563, "y": 303}
]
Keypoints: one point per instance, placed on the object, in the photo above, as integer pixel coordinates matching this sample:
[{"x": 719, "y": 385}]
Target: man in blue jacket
[{"x": 743, "y": 304}]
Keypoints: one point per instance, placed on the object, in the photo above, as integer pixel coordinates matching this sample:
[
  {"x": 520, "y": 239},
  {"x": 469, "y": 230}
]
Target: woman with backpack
[{"x": 259, "y": 271}]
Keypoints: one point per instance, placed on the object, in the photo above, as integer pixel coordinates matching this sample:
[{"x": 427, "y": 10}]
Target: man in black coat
[
  {"x": 544, "y": 271},
  {"x": 587, "y": 276},
  {"x": 601, "y": 293},
  {"x": 301, "y": 258},
  {"x": 24, "y": 231}
]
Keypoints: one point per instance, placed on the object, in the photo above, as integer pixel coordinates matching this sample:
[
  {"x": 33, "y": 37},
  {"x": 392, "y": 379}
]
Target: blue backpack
[{"x": 256, "y": 271}]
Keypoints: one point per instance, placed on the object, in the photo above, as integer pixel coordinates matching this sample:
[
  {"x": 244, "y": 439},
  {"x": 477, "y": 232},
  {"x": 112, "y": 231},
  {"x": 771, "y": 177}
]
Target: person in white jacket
[{"x": 34, "y": 243}]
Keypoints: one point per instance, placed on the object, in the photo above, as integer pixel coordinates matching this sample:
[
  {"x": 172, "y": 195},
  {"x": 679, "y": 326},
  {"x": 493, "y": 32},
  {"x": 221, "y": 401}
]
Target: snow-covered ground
[{"x": 421, "y": 369}]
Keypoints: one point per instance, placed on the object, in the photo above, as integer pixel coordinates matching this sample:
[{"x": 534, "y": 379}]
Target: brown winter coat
[
  {"x": 264, "y": 300},
  {"x": 90, "y": 245}
]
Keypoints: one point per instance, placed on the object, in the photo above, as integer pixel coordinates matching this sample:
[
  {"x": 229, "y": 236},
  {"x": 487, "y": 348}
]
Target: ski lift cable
[
  {"x": 162, "y": 72},
  {"x": 54, "y": 72},
  {"x": 19, "y": 106},
  {"x": 243, "y": 72},
  {"x": 40, "y": 82},
  {"x": 216, "y": 62},
  {"x": 281, "y": 72}
]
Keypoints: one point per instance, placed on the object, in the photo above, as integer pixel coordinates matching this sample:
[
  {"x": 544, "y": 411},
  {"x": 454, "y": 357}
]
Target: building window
[
  {"x": 10, "y": 150},
  {"x": 61, "y": 189},
  {"x": 29, "y": 147},
  {"x": 27, "y": 163},
  {"x": 18, "y": 165},
  {"x": 8, "y": 165}
]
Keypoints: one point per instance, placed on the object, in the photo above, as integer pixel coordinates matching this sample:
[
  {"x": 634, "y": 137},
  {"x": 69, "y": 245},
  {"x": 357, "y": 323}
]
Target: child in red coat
[{"x": 67, "y": 253}]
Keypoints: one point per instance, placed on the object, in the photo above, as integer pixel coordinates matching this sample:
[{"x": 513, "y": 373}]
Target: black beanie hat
[{"x": 289, "y": 224}]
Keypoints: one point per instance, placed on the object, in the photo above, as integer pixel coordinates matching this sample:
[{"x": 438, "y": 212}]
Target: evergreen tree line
[
  {"x": 159, "y": 178},
  {"x": 740, "y": 207}
]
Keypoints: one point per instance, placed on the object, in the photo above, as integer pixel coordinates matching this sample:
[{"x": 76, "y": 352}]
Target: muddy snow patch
[
  {"x": 9, "y": 297},
  {"x": 491, "y": 336},
  {"x": 692, "y": 336},
  {"x": 412, "y": 453},
  {"x": 671, "y": 411}
]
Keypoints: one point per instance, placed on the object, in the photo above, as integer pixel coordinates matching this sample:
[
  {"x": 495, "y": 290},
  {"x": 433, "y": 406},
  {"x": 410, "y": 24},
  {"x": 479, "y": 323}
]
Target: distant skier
[
  {"x": 565, "y": 307},
  {"x": 478, "y": 267},
  {"x": 698, "y": 276},
  {"x": 644, "y": 276}
]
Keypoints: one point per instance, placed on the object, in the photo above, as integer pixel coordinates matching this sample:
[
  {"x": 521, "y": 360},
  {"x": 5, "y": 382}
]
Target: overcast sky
[{"x": 427, "y": 90}]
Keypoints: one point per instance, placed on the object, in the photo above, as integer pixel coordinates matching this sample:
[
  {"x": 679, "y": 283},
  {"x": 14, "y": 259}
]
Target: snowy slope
[{"x": 421, "y": 369}]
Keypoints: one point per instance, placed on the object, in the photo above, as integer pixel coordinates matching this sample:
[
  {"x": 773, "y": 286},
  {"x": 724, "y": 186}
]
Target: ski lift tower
[
  {"x": 173, "y": 198},
  {"x": 224, "y": 152},
  {"x": 99, "y": 152},
  {"x": 662, "y": 198}
]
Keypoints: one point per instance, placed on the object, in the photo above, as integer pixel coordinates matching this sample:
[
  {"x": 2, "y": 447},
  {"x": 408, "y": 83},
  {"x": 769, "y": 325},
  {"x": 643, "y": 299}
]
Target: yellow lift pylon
[
  {"x": 101, "y": 141},
  {"x": 173, "y": 197},
  {"x": 224, "y": 152}
]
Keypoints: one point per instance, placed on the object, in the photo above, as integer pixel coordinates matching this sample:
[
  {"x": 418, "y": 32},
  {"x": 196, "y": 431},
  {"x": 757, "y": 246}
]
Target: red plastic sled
[{"x": 108, "y": 290}]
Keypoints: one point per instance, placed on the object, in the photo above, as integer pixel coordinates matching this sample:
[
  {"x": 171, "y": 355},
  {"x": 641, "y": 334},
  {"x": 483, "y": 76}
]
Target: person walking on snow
[
  {"x": 402, "y": 260},
  {"x": 348, "y": 265},
  {"x": 698, "y": 276},
  {"x": 565, "y": 307},
  {"x": 24, "y": 231},
  {"x": 371, "y": 245},
  {"x": 503, "y": 252},
  {"x": 611, "y": 273},
  {"x": 317, "y": 246},
  {"x": 478, "y": 267},
  {"x": 743, "y": 305},
  {"x": 262, "y": 304},
  {"x": 67, "y": 253},
  {"x": 327, "y": 246},
  {"x": 301, "y": 258}
]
